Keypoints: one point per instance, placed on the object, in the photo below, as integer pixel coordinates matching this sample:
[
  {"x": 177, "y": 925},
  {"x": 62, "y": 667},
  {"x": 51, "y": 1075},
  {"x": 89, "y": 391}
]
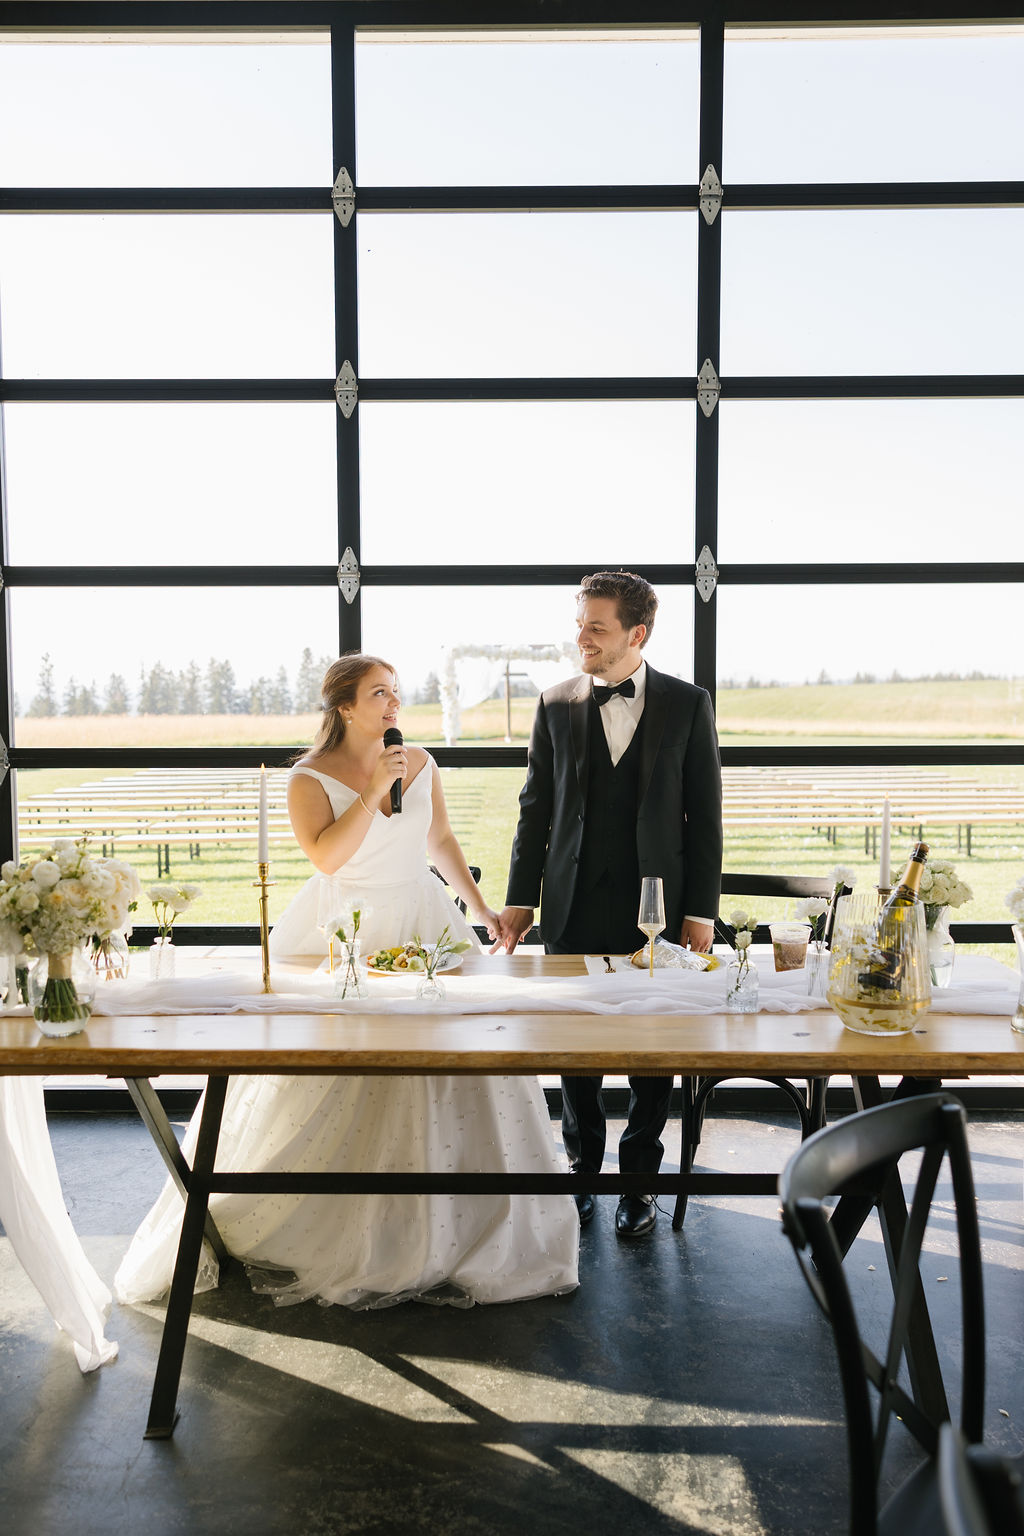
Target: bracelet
[{"x": 364, "y": 805}]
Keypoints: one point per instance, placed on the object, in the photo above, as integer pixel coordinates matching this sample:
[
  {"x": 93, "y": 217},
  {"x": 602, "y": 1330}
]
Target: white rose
[
  {"x": 46, "y": 874},
  {"x": 738, "y": 918},
  {"x": 743, "y": 939}
]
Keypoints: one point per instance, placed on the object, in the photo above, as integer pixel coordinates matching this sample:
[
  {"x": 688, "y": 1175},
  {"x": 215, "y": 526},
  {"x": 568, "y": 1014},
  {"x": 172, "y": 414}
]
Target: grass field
[{"x": 483, "y": 801}]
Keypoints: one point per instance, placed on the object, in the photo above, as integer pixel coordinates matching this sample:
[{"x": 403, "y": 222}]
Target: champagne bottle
[{"x": 886, "y": 971}]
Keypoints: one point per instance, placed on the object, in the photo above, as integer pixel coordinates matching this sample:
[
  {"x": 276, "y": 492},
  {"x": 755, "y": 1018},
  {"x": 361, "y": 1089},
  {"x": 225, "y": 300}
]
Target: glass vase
[
  {"x": 742, "y": 987},
  {"x": 431, "y": 989},
  {"x": 818, "y": 962},
  {"x": 162, "y": 960},
  {"x": 110, "y": 957},
  {"x": 880, "y": 977},
  {"x": 348, "y": 979},
  {"x": 941, "y": 945},
  {"x": 1017, "y": 1022},
  {"x": 61, "y": 989}
]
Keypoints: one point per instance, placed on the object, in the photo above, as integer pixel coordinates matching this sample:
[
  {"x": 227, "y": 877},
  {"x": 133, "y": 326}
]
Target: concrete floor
[{"x": 687, "y": 1386}]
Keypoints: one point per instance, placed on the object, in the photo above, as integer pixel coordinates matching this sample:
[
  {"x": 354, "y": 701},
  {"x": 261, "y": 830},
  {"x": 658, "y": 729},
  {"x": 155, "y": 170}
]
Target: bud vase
[
  {"x": 1017, "y": 1022},
  {"x": 941, "y": 945},
  {"x": 741, "y": 987},
  {"x": 431, "y": 989},
  {"x": 818, "y": 961},
  {"x": 348, "y": 979},
  {"x": 61, "y": 989},
  {"x": 110, "y": 957},
  {"x": 162, "y": 960}
]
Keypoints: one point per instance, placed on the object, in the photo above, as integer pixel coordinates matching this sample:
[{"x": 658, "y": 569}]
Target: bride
[{"x": 375, "y": 1250}]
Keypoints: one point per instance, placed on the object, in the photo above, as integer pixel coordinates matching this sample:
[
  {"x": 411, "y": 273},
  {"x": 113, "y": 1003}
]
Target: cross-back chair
[
  {"x": 698, "y": 1091},
  {"x": 980, "y": 1494},
  {"x": 862, "y": 1154}
]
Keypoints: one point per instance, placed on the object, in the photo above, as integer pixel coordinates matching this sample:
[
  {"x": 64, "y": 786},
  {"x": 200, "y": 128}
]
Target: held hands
[{"x": 513, "y": 924}]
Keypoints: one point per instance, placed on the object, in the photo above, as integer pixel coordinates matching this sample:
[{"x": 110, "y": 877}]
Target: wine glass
[
  {"x": 651, "y": 917},
  {"x": 329, "y": 906}
]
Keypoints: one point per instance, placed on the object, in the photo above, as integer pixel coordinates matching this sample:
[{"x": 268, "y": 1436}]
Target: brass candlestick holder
[{"x": 263, "y": 885}]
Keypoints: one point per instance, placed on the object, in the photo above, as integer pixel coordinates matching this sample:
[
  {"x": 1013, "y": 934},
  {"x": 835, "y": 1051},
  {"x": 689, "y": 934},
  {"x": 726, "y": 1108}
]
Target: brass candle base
[{"x": 263, "y": 884}]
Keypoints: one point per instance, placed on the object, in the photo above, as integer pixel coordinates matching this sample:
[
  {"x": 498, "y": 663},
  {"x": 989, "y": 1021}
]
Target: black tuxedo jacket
[{"x": 679, "y": 819}]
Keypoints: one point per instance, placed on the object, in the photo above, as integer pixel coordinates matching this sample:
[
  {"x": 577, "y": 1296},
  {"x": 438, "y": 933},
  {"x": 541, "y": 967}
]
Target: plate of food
[
  {"x": 672, "y": 957},
  {"x": 407, "y": 960}
]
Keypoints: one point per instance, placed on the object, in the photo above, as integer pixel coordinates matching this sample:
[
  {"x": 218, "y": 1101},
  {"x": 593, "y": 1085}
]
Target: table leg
[
  {"x": 162, "y": 1409},
  {"x": 151, "y": 1112}
]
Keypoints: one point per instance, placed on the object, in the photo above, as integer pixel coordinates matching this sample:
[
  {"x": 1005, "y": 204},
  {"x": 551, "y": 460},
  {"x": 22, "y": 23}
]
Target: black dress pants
[{"x": 605, "y": 923}]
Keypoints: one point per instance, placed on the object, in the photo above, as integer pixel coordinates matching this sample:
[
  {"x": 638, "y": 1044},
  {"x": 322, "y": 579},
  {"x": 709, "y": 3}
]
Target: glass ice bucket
[{"x": 880, "y": 977}]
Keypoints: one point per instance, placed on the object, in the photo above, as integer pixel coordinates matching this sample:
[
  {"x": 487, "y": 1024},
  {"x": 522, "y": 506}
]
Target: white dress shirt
[{"x": 620, "y": 717}]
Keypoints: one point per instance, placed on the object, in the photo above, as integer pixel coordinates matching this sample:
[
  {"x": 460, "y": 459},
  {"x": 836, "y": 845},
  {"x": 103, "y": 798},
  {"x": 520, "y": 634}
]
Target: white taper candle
[{"x": 262, "y": 842}]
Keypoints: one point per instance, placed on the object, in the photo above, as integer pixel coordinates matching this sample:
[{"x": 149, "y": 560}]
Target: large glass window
[
  {"x": 885, "y": 104},
  {"x": 524, "y": 405},
  {"x": 164, "y": 112},
  {"x": 883, "y": 480},
  {"x": 526, "y": 294},
  {"x": 890, "y": 291},
  {"x": 158, "y": 484},
  {"x": 533, "y": 109},
  {"x": 142, "y": 296},
  {"x": 442, "y": 483}
]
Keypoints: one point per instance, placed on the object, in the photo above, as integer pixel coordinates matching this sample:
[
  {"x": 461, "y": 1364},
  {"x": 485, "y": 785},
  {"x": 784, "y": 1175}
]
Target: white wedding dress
[{"x": 376, "y": 1250}]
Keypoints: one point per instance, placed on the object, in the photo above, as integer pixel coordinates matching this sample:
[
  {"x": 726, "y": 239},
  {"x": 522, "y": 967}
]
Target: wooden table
[{"x": 139, "y": 1048}]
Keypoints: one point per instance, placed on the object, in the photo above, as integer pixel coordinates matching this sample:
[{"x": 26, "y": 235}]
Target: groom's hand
[
  {"x": 513, "y": 923},
  {"x": 699, "y": 936}
]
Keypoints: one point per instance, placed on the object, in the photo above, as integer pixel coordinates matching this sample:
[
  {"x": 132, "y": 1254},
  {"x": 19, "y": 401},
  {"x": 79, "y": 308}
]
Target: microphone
[{"x": 394, "y": 738}]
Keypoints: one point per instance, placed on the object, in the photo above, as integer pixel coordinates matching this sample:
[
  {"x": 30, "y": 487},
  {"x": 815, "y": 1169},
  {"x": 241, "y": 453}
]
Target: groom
[{"x": 623, "y": 781}]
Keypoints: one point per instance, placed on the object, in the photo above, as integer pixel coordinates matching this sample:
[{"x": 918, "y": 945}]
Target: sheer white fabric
[
  {"x": 39, "y": 1228},
  {"x": 376, "y": 1250}
]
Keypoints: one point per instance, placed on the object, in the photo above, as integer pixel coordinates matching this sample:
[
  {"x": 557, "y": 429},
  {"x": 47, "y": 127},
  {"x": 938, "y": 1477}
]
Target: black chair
[
  {"x": 474, "y": 870},
  {"x": 861, "y": 1155},
  {"x": 698, "y": 1091},
  {"x": 979, "y": 1494}
]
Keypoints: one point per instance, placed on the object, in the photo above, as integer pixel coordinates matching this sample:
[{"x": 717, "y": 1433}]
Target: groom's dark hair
[{"x": 635, "y": 598}]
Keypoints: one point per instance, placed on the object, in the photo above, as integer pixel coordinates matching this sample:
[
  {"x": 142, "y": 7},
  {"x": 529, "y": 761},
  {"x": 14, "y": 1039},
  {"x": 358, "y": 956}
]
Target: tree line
[{"x": 195, "y": 690}]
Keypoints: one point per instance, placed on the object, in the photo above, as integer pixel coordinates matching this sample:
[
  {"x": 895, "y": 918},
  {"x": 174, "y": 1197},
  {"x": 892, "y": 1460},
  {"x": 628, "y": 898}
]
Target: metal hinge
[
  {"x": 346, "y": 389},
  {"x": 710, "y": 195},
  {"x": 343, "y": 196},
  {"x": 709, "y": 387},
  {"x": 707, "y": 574},
  {"x": 348, "y": 576}
]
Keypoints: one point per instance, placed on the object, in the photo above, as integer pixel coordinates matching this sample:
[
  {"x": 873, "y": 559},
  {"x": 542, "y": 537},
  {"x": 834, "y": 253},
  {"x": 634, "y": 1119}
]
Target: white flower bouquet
[
  {"x": 52, "y": 903},
  {"x": 941, "y": 886}
]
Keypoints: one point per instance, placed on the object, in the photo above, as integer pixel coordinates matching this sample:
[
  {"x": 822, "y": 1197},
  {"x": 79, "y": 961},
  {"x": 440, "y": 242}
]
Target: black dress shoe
[
  {"x": 636, "y": 1215},
  {"x": 585, "y": 1206}
]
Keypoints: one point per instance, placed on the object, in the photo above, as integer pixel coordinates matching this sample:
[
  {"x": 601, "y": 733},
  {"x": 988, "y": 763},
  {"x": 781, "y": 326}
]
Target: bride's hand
[
  {"x": 391, "y": 766},
  {"x": 489, "y": 920}
]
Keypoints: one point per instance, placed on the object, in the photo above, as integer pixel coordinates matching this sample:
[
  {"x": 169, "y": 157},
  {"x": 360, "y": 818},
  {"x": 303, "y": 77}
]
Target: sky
[{"x": 518, "y": 294}]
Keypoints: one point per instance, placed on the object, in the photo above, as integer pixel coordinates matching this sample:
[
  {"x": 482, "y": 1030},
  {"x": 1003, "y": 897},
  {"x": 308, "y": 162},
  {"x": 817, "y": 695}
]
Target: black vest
[{"x": 609, "y": 823}]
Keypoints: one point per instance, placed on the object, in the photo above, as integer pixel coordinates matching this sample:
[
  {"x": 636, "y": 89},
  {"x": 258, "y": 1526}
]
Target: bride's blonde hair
[{"x": 339, "y": 687}]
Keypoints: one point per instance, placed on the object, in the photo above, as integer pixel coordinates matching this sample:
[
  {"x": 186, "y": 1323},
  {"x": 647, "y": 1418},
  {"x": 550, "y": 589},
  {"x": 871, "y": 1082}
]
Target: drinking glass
[{"x": 651, "y": 916}]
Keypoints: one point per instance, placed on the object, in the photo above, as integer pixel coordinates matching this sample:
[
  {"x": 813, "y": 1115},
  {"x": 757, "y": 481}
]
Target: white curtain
[{"x": 36, "y": 1221}]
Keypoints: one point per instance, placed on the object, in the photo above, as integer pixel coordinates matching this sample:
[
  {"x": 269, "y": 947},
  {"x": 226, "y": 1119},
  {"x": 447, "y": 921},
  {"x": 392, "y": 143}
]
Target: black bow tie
[{"x": 603, "y": 691}]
